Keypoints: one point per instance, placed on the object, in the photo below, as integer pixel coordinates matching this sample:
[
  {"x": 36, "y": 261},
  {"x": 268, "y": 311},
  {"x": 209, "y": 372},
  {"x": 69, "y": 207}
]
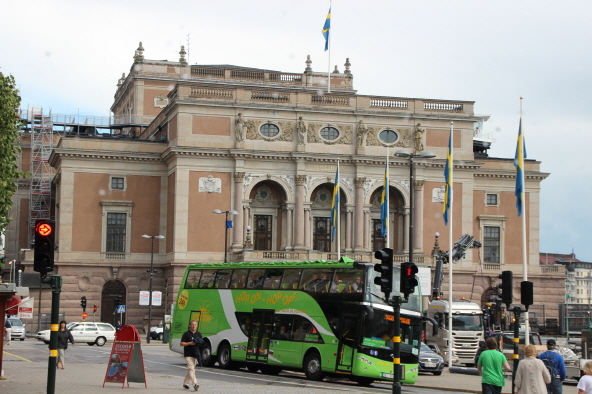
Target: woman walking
[
  {"x": 64, "y": 335},
  {"x": 532, "y": 376},
  {"x": 585, "y": 383}
]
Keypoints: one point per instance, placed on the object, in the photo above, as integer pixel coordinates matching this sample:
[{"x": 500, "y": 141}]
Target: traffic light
[
  {"x": 526, "y": 293},
  {"x": 385, "y": 267},
  {"x": 117, "y": 301},
  {"x": 506, "y": 286},
  {"x": 83, "y": 303},
  {"x": 408, "y": 281},
  {"x": 44, "y": 246}
]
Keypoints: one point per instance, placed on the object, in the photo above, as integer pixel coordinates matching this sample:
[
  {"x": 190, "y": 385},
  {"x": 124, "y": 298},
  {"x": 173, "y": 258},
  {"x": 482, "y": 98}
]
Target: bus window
[
  {"x": 305, "y": 331},
  {"x": 256, "y": 279},
  {"x": 223, "y": 279},
  {"x": 291, "y": 278},
  {"x": 244, "y": 321},
  {"x": 239, "y": 279},
  {"x": 207, "y": 279},
  {"x": 317, "y": 280},
  {"x": 348, "y": 281},
  {"x": 192, "y": 279},
  {"x": 282, "y": 327},
  {"x": 273, "y": 278}
]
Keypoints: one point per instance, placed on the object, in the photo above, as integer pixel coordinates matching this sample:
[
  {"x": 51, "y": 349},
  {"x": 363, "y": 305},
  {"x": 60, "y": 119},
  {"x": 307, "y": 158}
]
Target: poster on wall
[{"x": 156, "y": 298}]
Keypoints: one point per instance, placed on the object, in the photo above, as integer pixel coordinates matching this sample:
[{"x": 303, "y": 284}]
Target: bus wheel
[
  {"x": 224, "y": 356},
  {"x": 269, "y": 370},
  {"x": 206, "y": 355},
  {"x": 363, "y": 381},
  {"x": 252, "y": 368},
  {"x": 312, "y": 366}
]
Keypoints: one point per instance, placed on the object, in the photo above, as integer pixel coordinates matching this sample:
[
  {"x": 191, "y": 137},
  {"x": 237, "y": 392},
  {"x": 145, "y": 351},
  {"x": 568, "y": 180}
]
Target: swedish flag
[
  {"x": 384, "y": 203},
  {"x": 448, "y": 180},
  {"x": 519, "y": 164},
  {"x": 335, "y": 205},
  {"x": 326, "y": 28}
]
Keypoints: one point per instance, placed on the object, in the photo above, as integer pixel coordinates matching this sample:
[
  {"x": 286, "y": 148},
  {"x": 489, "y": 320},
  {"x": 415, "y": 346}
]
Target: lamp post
[
  {"x": 12, "y": 269},
  {"x": 232, "y": 212},
  {"x": 152, "y": 237},
  {"x": 403, "y": 153}
]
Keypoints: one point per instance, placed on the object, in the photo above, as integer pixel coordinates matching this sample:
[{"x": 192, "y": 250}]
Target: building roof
[{"x": 557, "y": 258}]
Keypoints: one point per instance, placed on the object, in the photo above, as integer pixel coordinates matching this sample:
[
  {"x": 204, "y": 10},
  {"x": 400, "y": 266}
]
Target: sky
[{"x": 68, "y": 55}]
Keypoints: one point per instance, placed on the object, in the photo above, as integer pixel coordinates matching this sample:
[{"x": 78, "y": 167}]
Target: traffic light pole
[
  {"x": 56, "y": 289},
  {"x": 517, "y": 312},
  {"x": 396, "y": 304}
]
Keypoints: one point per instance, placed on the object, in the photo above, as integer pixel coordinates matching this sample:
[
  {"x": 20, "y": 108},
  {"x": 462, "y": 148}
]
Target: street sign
[
  {"x": 95, "y": 308},
  {"x": 121, "y": 309},
  {"x": 84, "y": 315}
]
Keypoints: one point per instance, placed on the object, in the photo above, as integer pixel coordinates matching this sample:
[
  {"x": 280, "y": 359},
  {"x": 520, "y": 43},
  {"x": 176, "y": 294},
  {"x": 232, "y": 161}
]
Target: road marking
[{"x": 14, "y": 355}]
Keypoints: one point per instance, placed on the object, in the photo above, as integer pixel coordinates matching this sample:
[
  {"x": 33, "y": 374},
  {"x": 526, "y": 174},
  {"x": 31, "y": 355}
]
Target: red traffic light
[{"x": 44, "y": 228}]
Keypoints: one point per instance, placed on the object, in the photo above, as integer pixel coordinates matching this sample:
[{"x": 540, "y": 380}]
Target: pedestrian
[
  {"x": 7, "y": 329},
  {"x": 491, "y": 364},
  {"x": 556, "y": 366},
  {"x": 64, "y": 335},
  {"x": 118, "y": 325},
  {"x": 585, "y": 383},
  {"x": 532, "y": 375},
  {"x": 503, "y": 325},
  {"x": 189, "y": 341}
]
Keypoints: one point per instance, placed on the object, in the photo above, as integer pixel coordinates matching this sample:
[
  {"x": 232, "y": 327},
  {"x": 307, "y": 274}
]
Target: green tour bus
[{"x": 320, "y": 317}]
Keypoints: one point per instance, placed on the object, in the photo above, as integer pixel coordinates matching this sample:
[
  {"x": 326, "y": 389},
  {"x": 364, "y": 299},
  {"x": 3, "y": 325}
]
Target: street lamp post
[
  {"x": 403, "y": 153},
  {"x": 232, "y": 212},
  {"x": 152, "y": 237}
]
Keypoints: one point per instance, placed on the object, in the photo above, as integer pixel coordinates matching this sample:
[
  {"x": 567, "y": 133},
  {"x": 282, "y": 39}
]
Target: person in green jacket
[{"x": 490, "y": 365}]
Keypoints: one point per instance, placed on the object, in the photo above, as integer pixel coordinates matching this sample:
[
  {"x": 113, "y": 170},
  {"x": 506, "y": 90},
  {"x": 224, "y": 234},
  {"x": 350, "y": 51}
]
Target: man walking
[
  {"x": 7, "y": 329},
  {"x": 490, "y": 366},
  {"x": 556, "y": 365},
  {"x": 190, "y": 348}
]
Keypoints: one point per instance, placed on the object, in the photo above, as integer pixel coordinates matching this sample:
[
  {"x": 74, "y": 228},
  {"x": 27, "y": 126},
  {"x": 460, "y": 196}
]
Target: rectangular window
[
  {"x": 117, "y": 183},
  {"x": 116, "y": 232},
  {"x": 492, "y": 199},
  {"x": 491, "y": 246}
]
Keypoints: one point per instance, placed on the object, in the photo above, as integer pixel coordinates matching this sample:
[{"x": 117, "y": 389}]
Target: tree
[{"x": 10, "y": 125}]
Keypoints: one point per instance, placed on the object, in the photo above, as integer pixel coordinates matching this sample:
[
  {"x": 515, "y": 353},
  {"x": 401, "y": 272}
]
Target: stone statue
[
  {"x": 301, "y": 129},
  {"x": 240, "y": 126},
  {"x": 362, "y": 131},
  {"x": 419, "y": 138}
]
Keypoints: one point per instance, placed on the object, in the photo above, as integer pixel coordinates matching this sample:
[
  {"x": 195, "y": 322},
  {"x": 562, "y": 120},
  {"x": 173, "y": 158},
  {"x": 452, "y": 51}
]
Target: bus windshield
[
  {"x": 374, "y": 294},
  {"x": 380, "y": 329}
]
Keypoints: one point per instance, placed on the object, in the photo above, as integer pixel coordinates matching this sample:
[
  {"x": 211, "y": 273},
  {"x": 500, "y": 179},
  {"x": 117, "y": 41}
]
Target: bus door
[
  {"x": 347, "y": 334},
  {"x": 259, "y": 335}
]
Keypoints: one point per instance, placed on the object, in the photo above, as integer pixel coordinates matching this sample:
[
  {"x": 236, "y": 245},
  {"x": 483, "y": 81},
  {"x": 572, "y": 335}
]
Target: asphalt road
[{"x": 161, "y": 361}]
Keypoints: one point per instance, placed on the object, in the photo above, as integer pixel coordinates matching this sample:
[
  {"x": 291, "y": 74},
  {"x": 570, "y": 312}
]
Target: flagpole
[
  {"x": 522, "y": 208},
  {"x": 450, "y": 221},
  {"x": 338, "y": 213},
  {"x": 387, "y": 243},
  {"x": 329, "y": 69}
]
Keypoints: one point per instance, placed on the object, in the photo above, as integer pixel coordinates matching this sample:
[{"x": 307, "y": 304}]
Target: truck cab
[{"x": 467, "y": 329}]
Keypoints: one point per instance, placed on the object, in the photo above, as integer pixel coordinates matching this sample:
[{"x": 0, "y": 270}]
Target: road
[{"x": 169, "y": 368}]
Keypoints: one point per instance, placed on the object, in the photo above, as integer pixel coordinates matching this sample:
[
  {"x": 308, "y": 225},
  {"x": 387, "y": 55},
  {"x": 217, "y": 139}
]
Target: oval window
[
  {"x": 329, "y": 133},
  {"x": 270, "y": 130},
  {"x": 388, "y": 136}
]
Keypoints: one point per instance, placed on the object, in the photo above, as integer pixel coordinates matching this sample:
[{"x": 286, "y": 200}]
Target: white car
[
  {"x": 18, "y": 329},
  {"x": 89, "y": 332}
]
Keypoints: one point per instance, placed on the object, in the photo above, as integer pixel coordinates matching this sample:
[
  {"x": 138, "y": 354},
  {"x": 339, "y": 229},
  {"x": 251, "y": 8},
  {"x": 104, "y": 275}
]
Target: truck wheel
[
  {"x": 224, "y": 356},
  {"x": 206, "y": 355},
  {"x": 312, "y": 367},
  {"x": 159, "y": 337}
]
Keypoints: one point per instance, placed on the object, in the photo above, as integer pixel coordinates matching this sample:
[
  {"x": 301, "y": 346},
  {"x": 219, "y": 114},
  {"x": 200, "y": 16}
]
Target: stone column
[
  {"x": 418, "y": 216},
  {"x": 299, "y": 217},
  {"x": 289, "y": 244},
  {"x": 246, "y": 220},
  {"x": 307, "y": 228},
  {"x": 237, "y": 239},
  {"x": 366, "y": 229},
  {"x": 359, "y": 227},
  {"x": 406, "y": 230},
  {"x": 348, "y": 229}
]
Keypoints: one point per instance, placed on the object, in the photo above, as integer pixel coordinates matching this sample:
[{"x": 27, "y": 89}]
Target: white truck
[{"x": 467, "y": 329}]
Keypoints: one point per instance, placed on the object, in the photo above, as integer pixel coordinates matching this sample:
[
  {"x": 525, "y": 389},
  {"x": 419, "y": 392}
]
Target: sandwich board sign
[{"x": 126, "y": 361}]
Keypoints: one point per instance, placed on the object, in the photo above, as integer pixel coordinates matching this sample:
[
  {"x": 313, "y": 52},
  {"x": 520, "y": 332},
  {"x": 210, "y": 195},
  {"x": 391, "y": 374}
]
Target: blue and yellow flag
[
  {"x": 519, "y": 164},
  {"x": 335, "y": 205},
  {"x": 448, "y": 180},
  {"x": 384, "y": 203},
  {"x": 326, "y": 28}
]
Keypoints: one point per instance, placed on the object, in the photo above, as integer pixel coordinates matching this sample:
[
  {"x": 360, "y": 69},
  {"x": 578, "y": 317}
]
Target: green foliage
[{"x": 10, "y": 125}]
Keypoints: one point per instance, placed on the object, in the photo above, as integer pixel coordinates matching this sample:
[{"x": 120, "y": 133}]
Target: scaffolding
[{"x": 41, "y": 128}]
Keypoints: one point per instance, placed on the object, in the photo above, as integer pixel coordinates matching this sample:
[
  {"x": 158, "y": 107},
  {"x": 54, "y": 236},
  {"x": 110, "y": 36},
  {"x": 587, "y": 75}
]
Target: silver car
[
  {"x": 89, "y": 332},
  {"x": 18, "y": 329}
]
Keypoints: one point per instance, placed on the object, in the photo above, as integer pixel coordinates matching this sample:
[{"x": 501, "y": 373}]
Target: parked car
[
  {"x": 156, "y": 332},
  {"x": 89, "y": 332},
  {"x": 430, "y": 361},
  {"x": 18, "y": 329}
]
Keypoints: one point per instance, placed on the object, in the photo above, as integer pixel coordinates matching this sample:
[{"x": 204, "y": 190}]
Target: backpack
[{"x": 550, "y": 364}]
